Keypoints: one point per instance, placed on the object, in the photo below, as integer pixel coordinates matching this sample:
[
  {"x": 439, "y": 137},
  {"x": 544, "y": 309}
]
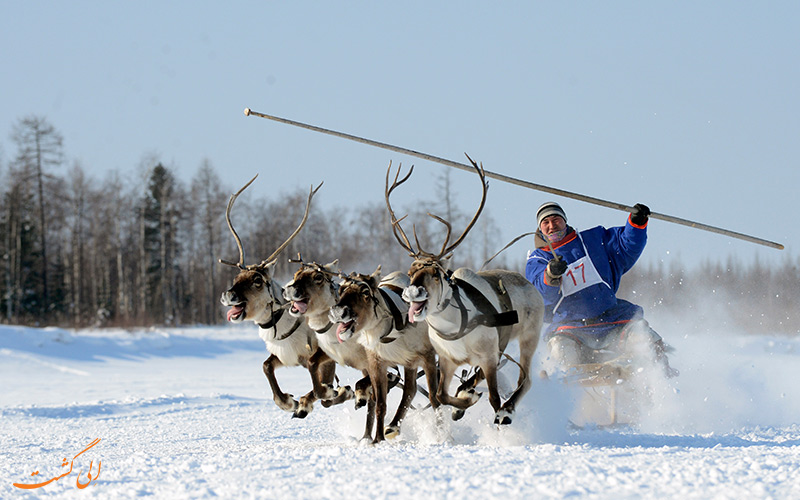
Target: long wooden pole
[{"x": 519, "y": 182}]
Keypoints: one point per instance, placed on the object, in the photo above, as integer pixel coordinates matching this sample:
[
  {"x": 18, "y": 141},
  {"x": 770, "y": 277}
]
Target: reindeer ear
[
  {"x": 376, "y": 276},
  {"x": 268, "y": 267},
  {"x": 445, "y": 262}
]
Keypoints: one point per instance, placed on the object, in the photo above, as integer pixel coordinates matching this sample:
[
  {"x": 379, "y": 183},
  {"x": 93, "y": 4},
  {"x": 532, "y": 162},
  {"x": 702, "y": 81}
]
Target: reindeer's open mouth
[
  {"x": 416, "y": 310},
  {"x": 344, "y": 331},
  {"x": 236, "y": 312},
  {"x": 299, "y": 307}
]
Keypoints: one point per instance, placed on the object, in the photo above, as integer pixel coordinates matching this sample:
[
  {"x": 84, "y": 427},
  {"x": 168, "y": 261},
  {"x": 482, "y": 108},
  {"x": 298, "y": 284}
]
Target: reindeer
[
  {"x": 471, "y": 315},
  {"x": 372, "y": 310},
  {"x": 255, "y": 296},
  {"x": 311, "y": 293}
]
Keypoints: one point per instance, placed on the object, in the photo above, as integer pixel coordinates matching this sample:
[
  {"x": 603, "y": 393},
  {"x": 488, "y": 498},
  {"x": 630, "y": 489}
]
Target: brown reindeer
[
  {"x": 255, "y": 296},
  {"x": 471, "y": 316},
  {"x": 312, "y": 292},
  {"x": 372, "y": 310}
]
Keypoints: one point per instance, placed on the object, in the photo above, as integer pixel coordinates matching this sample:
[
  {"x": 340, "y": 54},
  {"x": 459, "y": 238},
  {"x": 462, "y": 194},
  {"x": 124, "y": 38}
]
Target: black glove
[
  {"x": 556, "y": 268},
  {"x": 640, "y": 214}
]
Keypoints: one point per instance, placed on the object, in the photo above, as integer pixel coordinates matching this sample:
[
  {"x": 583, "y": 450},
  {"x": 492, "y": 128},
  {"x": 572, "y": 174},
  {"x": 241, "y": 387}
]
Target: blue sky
[{"x": 689, "y": 107}]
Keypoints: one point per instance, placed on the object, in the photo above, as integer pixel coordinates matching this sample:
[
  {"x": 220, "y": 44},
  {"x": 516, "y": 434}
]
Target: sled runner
[{"x": 603, "y": 382}]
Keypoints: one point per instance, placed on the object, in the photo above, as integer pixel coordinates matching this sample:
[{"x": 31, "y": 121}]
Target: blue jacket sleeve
[
  {"x": 534, "y": 272},
  {"x": 625, "y": 244}
]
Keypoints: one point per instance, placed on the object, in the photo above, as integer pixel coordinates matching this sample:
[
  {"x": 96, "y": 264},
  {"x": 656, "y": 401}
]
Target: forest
[{"x": 142, "y": 248}]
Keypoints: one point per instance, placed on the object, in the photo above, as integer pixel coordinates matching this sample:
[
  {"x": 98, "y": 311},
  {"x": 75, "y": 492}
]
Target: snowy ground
[{"x": 187, "y": 413}]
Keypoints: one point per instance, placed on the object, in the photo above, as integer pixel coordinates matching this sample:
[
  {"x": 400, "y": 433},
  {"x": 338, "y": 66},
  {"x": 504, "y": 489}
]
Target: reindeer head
[
  {"x": 254, "y": 295},
  {"x": 356, "y": 308},
  {"x": 429, "y": 272},
  {"x": 312, "y": 290}
]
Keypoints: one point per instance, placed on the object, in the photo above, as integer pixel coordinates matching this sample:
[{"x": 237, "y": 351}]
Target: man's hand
[
  {"x": 556, "y": 268},
  {"x": 640, "y": 214}
]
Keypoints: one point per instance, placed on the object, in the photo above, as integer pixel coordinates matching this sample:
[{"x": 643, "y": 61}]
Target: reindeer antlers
[
  {"x": 485, "y": 186},
  {"x": 400, "y": 235},
  {"x": 235, "y": 195},
  {"x": 273, "y": 257},
  {"x": 275, "y": 254},
  {"x": 396, "y": 229}
]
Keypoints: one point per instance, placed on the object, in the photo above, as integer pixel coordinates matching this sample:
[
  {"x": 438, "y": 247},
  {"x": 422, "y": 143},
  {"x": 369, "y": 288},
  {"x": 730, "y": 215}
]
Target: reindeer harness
[{"x": 487, "y": 315}]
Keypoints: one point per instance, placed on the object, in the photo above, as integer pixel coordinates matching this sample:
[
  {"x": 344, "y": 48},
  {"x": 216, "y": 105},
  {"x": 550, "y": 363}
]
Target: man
[{"x": 578, "y": 275}]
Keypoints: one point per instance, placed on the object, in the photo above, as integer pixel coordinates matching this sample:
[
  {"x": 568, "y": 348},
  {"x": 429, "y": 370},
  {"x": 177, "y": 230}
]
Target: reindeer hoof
[
  {"x": 470, "y": 395},
  {"x": 503, "y": 417},
  {"x": 303, "y": 409},
  {"x": 391, "y": 432},
  {"x": 457, "y": 413},
  {"x": 288, "y": 404},
  {"x": 342, "y": 394},
  {"x": 327, "y": 392}
]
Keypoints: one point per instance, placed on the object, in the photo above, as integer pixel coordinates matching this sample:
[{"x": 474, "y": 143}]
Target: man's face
[{"x": 552, "y": 224}]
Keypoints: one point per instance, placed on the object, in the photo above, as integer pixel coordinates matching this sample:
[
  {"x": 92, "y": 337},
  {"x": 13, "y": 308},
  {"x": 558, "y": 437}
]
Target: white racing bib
[{"x": 580, "y": 274}]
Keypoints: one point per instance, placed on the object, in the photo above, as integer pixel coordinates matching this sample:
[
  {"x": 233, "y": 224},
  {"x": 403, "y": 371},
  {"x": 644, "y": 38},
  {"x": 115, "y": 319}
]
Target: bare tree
[
  {"x": 39, "y": 147},
  {"x": 208, "y": 199},
  {"x": 79, "y": 192}
]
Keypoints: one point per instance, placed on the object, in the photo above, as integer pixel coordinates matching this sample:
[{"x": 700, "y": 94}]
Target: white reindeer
[{"x": 471, "y": 316}]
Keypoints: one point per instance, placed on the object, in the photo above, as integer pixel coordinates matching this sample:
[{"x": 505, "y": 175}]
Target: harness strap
[
  {"x": 488, "y": 314},
  {"x": 273, "y": 323},
  {"x": 276, "y": 316},
  {"x": 325, "y": 328},
  {"x": 385, "y": 338},
  {"x": 399, "y": 320},
  {"x": 294, "y": 328}
]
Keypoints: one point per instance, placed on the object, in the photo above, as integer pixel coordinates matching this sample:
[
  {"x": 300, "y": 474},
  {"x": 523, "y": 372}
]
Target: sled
[{"x": 603, "y": 384}]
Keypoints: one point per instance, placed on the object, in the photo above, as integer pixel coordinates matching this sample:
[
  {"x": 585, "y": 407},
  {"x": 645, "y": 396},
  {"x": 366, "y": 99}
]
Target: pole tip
[{"x": 246, "y": 111}]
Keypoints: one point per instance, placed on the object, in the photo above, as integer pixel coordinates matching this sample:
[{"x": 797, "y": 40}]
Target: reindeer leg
[
  {"x": 284, "y": 401},
  {"x": 304, "y": 405},
  {"x": 491, "y": 381},
  {"x": 506, "y": 413},
  {"x": 343, "y": 393},
  {"x": 432, "y": 378},
  {"x": 409, "y": 391},
  {"x": 463, "y": 400},
  {"x": 363, "y": 391},
  {"x": 380, "y": 389},
  {"x": 472, "y": 382},
  {"x": 323, "y": 373},
  {"x": 322, "y": 369},
  {"x": 370, "y": 420}
]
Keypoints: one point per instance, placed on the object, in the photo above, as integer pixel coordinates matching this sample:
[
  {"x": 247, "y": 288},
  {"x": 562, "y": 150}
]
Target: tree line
[{"x": 142, "y": 249}]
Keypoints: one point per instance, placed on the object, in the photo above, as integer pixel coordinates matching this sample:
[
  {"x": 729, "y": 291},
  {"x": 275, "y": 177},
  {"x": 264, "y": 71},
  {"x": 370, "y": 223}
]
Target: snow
[{"x": 187, "y": 413}]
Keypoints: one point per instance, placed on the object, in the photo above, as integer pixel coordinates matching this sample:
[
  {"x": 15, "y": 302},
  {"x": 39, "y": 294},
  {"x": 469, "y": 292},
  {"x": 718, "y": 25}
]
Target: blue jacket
[{"x": 613, "y": 252}]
